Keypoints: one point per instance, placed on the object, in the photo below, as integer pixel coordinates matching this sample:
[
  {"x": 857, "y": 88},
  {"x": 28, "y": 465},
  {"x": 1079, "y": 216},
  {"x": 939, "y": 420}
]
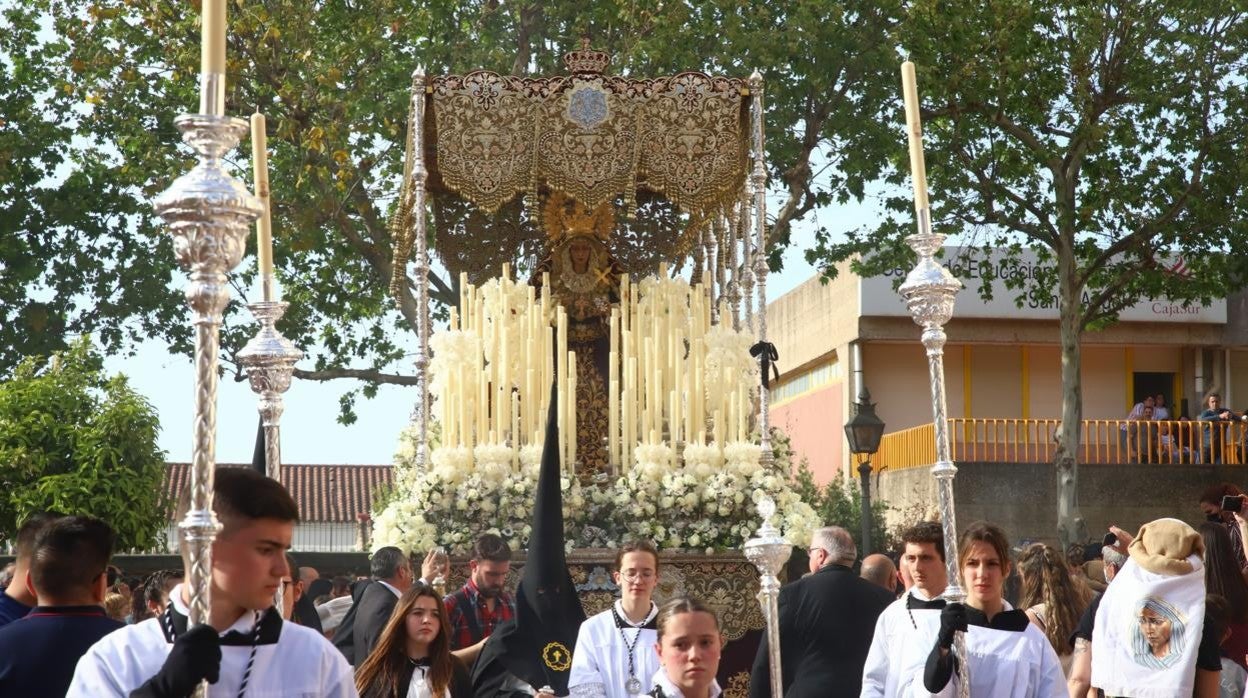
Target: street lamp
[{"x": 863, "y": 433}]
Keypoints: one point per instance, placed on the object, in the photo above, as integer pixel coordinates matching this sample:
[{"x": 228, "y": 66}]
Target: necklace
[{"x": 633, "y": 685}]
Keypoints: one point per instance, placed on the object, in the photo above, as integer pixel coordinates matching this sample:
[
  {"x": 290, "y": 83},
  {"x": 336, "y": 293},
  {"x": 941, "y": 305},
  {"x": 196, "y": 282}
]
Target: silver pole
[
  {"x": 930, "y": 291},
  {"x": 209, "y": 214},
  {"x": 758, "y": 181},
  {"x": 418, "y": 176},
  {"x": 768, "y": 551}
]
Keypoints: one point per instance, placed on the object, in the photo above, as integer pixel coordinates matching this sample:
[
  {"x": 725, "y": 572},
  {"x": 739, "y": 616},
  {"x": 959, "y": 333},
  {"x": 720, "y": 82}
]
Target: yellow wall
[
  {"x": 996, "y": 381},
  {"x": 1239, "y": 380},
  {"x": 896, "y": 375}
]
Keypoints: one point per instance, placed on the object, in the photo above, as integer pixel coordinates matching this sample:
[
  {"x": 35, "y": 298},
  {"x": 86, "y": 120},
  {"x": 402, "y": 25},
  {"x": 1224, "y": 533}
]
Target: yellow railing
[{"x": 1102, "y": 441}]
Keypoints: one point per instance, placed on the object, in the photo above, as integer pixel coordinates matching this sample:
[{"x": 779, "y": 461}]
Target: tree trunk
[{"x": 1071, "y": 527}]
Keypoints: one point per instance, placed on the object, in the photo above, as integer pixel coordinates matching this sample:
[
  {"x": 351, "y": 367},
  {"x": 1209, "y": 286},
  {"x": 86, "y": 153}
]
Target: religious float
[{"x": 607, "y": 237}]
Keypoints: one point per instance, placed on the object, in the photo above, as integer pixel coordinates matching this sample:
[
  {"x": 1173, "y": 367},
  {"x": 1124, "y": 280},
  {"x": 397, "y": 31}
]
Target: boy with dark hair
[
  {"x": 17, "y": 599},
  {"x": 244, "y": 644},
  {"x": 891, "y": 657},
  {"x": 38, "y": 652}
]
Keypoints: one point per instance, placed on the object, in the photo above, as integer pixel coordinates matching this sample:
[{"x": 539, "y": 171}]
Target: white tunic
[
  {"x": 893, "y": 657},
  {"x": 301, "y": 664},
  {"x": 600, "y": 660},
  {"x": 671, "y": 691},
  {"x": 1004, "y": 664}
]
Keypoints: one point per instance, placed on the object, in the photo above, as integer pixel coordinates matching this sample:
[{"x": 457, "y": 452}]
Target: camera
[
  {"x": 1232, "y": 503},
  {"x": 1109, "y": 539}
]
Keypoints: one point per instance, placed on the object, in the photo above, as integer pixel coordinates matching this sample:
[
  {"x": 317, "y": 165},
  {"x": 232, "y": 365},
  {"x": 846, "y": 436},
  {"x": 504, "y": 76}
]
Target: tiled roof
[{"x": 324, "y": 493}]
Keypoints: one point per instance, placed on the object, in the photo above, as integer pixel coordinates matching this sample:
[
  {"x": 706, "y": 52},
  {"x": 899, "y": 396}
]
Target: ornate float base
[{"x": 726, "y": 582}]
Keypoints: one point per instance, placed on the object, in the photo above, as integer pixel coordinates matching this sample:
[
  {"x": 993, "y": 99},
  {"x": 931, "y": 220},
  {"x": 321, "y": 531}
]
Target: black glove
[
  {"x": 952, "y": 619},
  {"x": 195, "y": 656}
]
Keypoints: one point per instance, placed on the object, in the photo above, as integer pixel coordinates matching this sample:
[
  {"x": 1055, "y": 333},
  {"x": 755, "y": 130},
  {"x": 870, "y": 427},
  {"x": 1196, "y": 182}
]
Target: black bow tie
[{"x": 913, "y": 602}]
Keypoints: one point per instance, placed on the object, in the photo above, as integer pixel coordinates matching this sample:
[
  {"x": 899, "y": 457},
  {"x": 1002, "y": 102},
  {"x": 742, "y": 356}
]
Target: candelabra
[
  {"x": 768, "y": 551},
  {"x": 209, "y": 214},
  {"x": 930, "y": 291},
  {"x": 270, "y": 360}
]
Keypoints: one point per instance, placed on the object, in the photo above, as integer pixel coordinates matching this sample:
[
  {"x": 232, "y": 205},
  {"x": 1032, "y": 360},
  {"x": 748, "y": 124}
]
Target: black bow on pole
[{"x": 767, "y": 357}]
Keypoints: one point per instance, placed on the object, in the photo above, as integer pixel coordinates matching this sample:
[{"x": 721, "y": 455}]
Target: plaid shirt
[{"x": 461, "y": 630}]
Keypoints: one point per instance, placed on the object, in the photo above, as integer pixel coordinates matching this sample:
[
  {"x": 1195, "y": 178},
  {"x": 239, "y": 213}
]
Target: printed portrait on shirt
[{"x": 1159, "y": 633}]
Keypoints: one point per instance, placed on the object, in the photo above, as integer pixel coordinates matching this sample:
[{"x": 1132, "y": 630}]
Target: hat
[{"x": 1163, "y": 546}]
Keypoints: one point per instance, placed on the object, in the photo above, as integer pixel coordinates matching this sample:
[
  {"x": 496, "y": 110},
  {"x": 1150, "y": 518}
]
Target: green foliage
[
  {"x": 94, "y": 100},
  {"x": 839, "y": 503},
  {"x": 75, "y": 441}
]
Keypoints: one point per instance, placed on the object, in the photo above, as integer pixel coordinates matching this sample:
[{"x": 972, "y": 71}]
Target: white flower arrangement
[
  {"x": 452, "y": 350},
  {"x": 703, "y": 501}
]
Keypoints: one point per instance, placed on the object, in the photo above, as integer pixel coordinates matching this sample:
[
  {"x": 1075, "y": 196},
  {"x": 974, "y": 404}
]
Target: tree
[
  {"x": 1106, "y": 137},
  {"x": 75, "y": 441},
  {"x": 97, "y": 100}
]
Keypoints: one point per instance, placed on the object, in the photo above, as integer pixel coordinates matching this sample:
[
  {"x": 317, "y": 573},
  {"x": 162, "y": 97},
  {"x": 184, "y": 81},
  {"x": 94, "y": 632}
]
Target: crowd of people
[
  {"x": 1171, "y": 618},
  {"x": 1152, "y": 434}
]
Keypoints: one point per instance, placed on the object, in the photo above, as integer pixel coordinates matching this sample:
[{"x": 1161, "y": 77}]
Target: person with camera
[{"x": 1223, "y": 504}]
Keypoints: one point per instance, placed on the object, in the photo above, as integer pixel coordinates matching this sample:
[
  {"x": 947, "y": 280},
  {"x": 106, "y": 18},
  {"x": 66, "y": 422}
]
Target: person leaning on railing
[{"x": 1217, "y": 433}]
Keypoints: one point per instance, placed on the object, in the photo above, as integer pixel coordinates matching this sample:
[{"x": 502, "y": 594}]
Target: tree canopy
[
  {"x": 94, "y": 100},
  {"x": 1109, "y": 138},
  {"x": 75, "y": 441}
]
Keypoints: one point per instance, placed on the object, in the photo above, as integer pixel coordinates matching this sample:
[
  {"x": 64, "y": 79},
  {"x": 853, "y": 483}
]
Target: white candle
[
  {"x": 914, "y": 135},
  {"x": 212, "y": 37},
  {"x": 264, "y": 225}
]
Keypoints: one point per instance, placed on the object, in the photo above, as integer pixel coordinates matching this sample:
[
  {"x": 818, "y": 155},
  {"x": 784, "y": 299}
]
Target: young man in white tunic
[
  {"x": 245, "y": 649},
  {"x": 614, "y": 655},
  {"x": 893, "y": 658}
]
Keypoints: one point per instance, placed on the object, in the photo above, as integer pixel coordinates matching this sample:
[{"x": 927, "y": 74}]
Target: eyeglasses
[
  {"x": 634, "y": 575},
  {"x": 814, "y": 549}
]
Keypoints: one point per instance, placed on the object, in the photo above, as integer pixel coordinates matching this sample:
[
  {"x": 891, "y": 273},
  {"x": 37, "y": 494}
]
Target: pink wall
[{"x": 816, "y": 425}]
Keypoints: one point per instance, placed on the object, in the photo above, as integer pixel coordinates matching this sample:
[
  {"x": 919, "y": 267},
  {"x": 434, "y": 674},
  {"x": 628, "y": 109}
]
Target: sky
[{"x": 310, "y": 431}]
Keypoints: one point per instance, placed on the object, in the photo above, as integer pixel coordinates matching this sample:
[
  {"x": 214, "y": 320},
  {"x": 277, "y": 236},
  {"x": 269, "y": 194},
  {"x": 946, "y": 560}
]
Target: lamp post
[{"x": 863, "y": 433}]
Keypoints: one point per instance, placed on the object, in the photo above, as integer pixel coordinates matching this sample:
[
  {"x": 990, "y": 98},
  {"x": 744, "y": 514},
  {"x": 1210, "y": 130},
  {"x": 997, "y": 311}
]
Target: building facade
[{"x": 1002, "y": 361}]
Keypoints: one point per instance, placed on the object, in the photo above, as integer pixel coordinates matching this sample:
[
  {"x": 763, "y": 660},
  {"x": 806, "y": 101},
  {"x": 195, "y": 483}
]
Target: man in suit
[
  {"x": 826, "y": 622},
  {"x": 375, "y": 599}
]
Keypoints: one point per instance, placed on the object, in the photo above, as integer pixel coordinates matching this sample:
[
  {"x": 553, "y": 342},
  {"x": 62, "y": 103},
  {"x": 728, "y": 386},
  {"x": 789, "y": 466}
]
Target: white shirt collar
[
  {"x": 389, "y": 586},
  {"x": 619, "y": 611},
  {"x": 922, "y": 595},
  {"x": 245, "y": 623},
  {"x": 670, "y": 690}
]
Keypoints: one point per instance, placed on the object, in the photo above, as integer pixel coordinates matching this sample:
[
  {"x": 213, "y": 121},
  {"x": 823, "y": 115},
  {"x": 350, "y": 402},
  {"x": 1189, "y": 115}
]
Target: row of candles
[{"x": 657, "y": 382}]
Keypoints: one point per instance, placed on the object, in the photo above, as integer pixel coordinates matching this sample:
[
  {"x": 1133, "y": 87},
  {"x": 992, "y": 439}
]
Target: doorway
[{"x": 1144, "y": 383}]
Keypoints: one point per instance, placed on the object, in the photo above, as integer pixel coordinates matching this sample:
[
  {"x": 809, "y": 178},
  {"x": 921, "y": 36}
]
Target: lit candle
[
  {"x": 914, "y": 134},
  {"x": 264, "y": 225}
]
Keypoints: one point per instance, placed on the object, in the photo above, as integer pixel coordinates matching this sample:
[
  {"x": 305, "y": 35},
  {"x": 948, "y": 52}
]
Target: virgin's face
[
  {"x": 422, "y": 622},
  {"x": 1156, "y": 630},
  {"x": 984, "y": 574},
  {"x": 580, "y": 254}
]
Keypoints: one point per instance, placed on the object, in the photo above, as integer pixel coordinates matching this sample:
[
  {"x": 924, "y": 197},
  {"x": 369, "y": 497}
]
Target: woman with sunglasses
[{"x": 413, "y": 658}]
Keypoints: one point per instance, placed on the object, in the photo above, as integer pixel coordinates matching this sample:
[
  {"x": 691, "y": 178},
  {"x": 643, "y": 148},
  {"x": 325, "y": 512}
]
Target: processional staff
[
  {"x": 930, "y": 291},
  {"x": 209, "y": 214}
]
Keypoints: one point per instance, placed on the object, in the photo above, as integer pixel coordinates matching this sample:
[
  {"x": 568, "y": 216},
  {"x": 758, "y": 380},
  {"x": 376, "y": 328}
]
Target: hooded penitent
[{"x": 537, "y": 646}]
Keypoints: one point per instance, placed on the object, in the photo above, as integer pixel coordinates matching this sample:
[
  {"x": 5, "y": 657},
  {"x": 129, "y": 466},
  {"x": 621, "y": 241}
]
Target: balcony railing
[{"x": 1102, "y": 441}]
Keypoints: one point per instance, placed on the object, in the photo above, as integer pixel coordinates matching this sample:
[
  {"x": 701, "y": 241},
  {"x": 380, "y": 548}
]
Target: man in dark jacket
[
  {"x": 67, "y": 571},
  {"x": 375, "y": 599},
  {"x": 826, "y": 622}
]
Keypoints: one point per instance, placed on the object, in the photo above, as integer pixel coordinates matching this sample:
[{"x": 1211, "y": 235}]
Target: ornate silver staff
[
  {"x": 209, "y": 214},
  {"x": 768, "y": 551},
  {"x": 930, "y": 291},
  {"x": 758, "y": 185},
  {"x": 270, "y": 360}
]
